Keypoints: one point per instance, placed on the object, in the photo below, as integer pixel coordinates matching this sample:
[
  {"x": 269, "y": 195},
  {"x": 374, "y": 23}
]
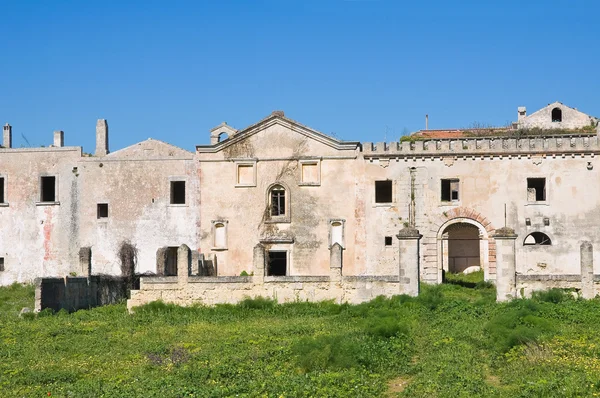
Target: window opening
[
  {"x": 171, "y": 265},
  {"x": 450, "y": 190},
  {"x": 383, "y": 191},
  {"x": 1, "y": 264},
  {"x": 536, "y": 189},
  {"x": 222, "y": 136},
  {"x": 177, "y": 192},
  {"x": 2, "y": 190},
  {"x": 537, "y": 239},
  {"x": 277, "y": 201},
  {"x": 556, "y": 115},
  {"x": 277, "y": 263},
  {"x": 388, "y": 240},
  {"x": 102, "y": 210},
  {"x": 48, "y": 189}
]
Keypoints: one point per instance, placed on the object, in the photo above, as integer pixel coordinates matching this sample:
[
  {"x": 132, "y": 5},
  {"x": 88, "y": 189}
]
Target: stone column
[
  {"x": 408, "y": 271},
  {"x": 506, "y": 284},
  {"x": 183, "y": 264},
  {"x": 258, "y": 264},
  {"x": 195, "y": 261},
  {"x": 161, "y": 261},
  {"x": 587, "y": 270},
  {"x": 85, "y": 261},
  {"x": 335, "y": 263}
]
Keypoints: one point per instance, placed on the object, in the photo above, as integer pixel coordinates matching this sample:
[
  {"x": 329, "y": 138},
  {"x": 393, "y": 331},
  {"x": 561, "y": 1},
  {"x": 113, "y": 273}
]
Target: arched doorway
[{"x": 462, "y": 243}]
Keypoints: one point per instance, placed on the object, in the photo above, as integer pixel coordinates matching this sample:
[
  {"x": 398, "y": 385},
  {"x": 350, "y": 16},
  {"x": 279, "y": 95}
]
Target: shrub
[
  {"x": 387, "y": 327},
  {"x": 258, "y": 303},
  {"x": 325, "y": 352},
  {"x": 554, "y": 295}
]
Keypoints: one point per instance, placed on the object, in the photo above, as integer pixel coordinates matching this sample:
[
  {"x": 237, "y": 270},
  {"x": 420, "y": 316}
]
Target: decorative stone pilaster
[
  {"x": 506, "y": 287},
  {"x": 184, "y": 260},
  {"x": 258, "y": 260},
  {"x": 587, "y": 270},
  {"x": 335, "y": 263},
  {"x": 408, "y": 269}
]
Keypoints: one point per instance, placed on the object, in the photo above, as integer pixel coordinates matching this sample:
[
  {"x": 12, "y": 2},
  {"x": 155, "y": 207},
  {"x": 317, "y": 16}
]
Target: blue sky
[{"x": 362, "y": 70}]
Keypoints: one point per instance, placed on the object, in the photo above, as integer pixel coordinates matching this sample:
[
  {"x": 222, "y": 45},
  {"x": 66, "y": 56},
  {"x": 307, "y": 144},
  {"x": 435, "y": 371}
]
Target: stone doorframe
[{"x": 433, "y": 255}]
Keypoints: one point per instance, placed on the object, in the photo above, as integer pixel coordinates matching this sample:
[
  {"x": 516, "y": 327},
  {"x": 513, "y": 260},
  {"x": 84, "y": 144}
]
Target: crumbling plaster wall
[{"x": 38, "y": 239}]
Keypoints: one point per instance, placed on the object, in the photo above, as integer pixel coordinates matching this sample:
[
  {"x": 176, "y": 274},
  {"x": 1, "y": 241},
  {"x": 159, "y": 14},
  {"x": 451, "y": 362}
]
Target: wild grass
[{"x": 452, "y": 340}]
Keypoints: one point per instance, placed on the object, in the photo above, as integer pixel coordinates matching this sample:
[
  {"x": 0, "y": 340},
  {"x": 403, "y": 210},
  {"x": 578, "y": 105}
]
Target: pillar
[
  {"x": 335, "y": 263},
  {"x": 587, "y": 270},
  {"x": 85, "y": 261},
  {"x": 101, "y": 138},
  {"x": 408, "y": 270},
  {"x": 59, "y": 139},
  {"x": 161, "y": 261},
  {"x": 506, "y": 283},
  {"x": 7, "y": 136},
  {"x": 183, "y": 263},
  {"x": 258, "y": 264}
]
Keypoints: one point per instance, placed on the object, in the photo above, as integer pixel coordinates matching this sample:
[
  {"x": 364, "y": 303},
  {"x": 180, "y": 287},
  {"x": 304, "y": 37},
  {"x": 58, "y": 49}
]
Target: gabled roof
[
  {"x": 152, "y": 149},
  {"x": 557, "y": 104},
  {"x": 278, "y": 118}
]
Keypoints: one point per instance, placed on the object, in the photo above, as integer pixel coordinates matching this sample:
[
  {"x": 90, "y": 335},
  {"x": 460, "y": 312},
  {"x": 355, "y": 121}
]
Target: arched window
[
  {"x": 222, "y": 136},
  {"x": 277, "y": 201},
  {"x": 537, "y": 239},
  {"x": 556, "y": 115},
  {"x": 219, "y": 233},
  {"x": 336, "y": 232}
]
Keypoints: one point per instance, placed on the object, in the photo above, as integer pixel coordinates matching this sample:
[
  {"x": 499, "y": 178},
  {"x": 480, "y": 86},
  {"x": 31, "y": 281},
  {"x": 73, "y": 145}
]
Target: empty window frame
[
  {"x": 102, "y": 210},
  {"x": 277, "y": 201},
  {"x": 383, "y": 191},
  {"x": 536, "y": 189},
  {"x": 450, "y": 190},
  {"x": 48, "y": 189},
  {"x": 336, "y": 232},
  {"x": 2, "y": 197},
  {"x": 556, "y": 115},
  {"x": 277, "y": 263},
  {"x": 245, "y": 174},
  {"x": 310, "y": 172},
  {"x": 537, "y": 239},
  {"x": 177, "y": 192}
]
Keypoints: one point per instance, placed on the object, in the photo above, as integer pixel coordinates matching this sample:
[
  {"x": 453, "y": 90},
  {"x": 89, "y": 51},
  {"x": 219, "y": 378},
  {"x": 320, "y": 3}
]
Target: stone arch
[
  {"x": 557, "y": 114},
  {"x": 431, "y": 271}
]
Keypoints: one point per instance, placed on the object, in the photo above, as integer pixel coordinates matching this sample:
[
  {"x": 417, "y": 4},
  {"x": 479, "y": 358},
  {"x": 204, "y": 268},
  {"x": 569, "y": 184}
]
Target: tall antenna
[{"x": 26, "y": 140}]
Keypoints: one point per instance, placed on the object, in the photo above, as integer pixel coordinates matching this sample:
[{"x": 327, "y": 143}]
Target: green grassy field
[{"x": 452, "y": 341}]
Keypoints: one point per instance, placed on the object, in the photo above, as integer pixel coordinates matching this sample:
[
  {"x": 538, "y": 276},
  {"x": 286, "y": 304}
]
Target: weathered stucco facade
[{"x": 281, "y": 210}]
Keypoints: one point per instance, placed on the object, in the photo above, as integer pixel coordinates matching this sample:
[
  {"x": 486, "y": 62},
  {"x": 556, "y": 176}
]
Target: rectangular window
[
  {"x": 450, "y": 190},
  {"x": 102, "y": 210},
  {"x": 1, "y": 264},
  {"x": 536, "y": 189},
  {"x": 388, "y": 240},
  {"x": 177, "y": 192},
  {"x": 48, "y": 189},
  {"x": 383, "y": 191},
  {"x": 2, "y": 198},
  {"x": 277, "y": 265}
]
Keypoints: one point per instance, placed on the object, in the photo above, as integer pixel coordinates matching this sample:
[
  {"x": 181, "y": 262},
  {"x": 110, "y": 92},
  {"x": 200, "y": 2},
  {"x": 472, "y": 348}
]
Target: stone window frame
[
  {"x": 330, "y": 224},
  {"x": 214, "y": 224},
  {"x": 451, "y": 202},
  {"x": 544, "y": 202},
  {"x": 4, "y": 203},
  {"x": 316, "y": 162},
  {"x": 187, "y": 191},
  {"x": 245, "y": 163},
  {"x": 56, "y": 202},
  {"x": 394, "y": 193},
  {"x": 286, "y": 217},
  {"x": 102, "y": 219},
  {"x": 280, "y": 247}
]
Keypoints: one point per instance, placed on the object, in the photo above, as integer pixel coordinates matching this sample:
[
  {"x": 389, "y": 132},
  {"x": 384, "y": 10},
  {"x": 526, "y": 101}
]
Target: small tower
[
  {"x": 221, "y": 132},
  {"x": 59, "y": 138},
  {"x": 7, "y": 136}
]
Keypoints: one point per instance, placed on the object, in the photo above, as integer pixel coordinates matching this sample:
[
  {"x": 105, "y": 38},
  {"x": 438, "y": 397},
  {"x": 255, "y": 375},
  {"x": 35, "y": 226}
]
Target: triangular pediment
[
  {"x": 291, "y": 126},
  {"x": 152, "y": 149}
]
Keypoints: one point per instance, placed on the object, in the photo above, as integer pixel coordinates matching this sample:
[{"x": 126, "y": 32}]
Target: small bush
[
  {"x": 325, "y": 352},
  {"x": 554, "y": 295},
  {"x": 431, "y": 296},
  {"x": 387, "y": 327},
  {"x": 258, "y": 303}
]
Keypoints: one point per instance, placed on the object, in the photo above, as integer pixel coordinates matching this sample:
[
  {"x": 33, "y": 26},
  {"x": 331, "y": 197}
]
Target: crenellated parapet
[{"x": 499, "y": 146}]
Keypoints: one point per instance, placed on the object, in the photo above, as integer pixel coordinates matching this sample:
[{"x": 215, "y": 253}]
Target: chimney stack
[
  {"x": 426, "y": 122},
  {"x": 522, "y": 113},
  {"x": 7, "y": 136},
  {"x": 59, "y": 139},
  {"x": 101, "y": 138}
]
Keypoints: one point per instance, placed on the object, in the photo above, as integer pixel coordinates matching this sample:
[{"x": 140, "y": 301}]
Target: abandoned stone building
[{"x": 281, "y": 210}]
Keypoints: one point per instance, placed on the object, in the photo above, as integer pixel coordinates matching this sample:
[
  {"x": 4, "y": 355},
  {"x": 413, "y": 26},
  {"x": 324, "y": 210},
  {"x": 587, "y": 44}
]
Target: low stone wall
[
  {"x": 75, "y": 293},
  {"x": 527, "y": 284}
]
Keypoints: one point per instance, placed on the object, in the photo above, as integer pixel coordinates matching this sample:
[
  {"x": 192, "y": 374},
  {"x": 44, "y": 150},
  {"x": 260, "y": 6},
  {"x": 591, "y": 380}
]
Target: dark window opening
[
  {"x": 536, "y": 189},
  {"x": 388, "y": 240},
  {"x": 556, "y": 115},
  {"x": 537, "y": 239},
  {"x": 171, "y": 264},
  {"x": 222, "y": 136},
  {"x": 383, "y": 191},
  {"x": 450, "y": 190},
  {"x": 177, "y": 192},
  {"x": 277, "y": 201},
  {"x": 102, "y": 210},
  {"x": 1, "y": 264},
  {"x": 2, "y": 190},
  {"x": 277, "y": 263},
  {"x": 48, "y": 189}
]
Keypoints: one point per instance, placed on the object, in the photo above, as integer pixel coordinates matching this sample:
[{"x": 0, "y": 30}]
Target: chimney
[
  {"x": 7, "y": 136},
  {"x": 59, "y": 139},
  {"x": 522, "y": 113},
  {"x": 426, "y": 122},
  {"x": 101, "y": 137}
]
